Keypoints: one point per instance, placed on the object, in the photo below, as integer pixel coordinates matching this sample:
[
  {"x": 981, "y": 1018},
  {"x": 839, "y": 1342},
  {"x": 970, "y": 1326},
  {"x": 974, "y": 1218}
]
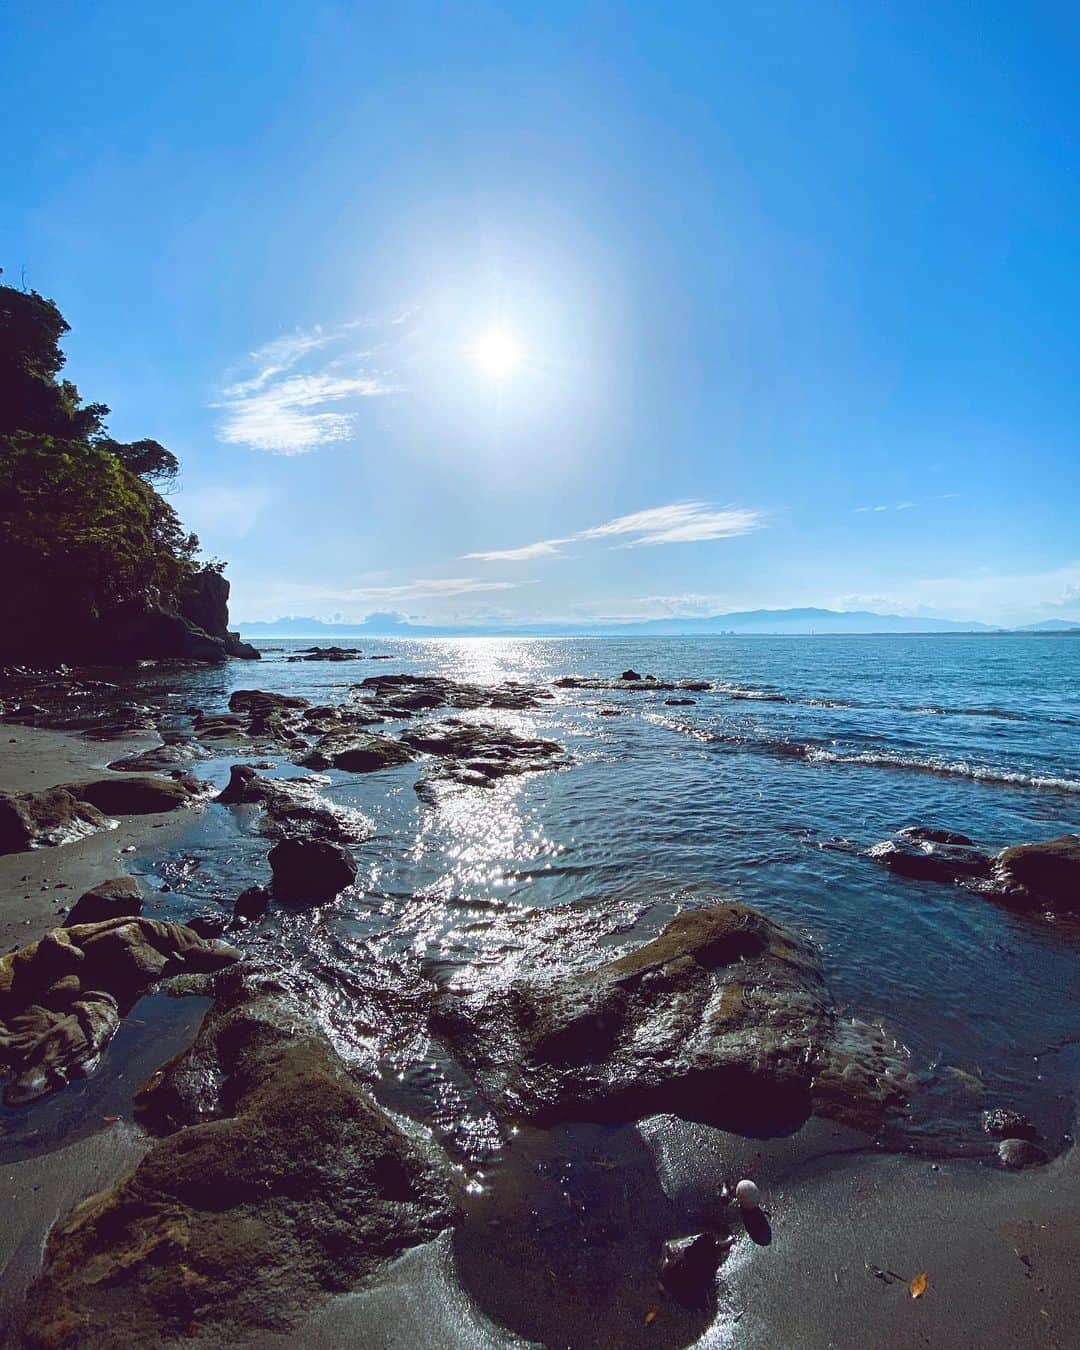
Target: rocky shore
[{"x": 267, "y": 1193}]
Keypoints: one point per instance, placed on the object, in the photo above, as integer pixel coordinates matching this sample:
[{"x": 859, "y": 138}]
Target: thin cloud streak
[
  {"x": 285, "y": 409},
  {"x": 421, "y": 589},
  {"x": 678, "y": 523}
]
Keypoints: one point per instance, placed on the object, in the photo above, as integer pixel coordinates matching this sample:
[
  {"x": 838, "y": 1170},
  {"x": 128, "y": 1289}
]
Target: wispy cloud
[
  {"x": 300, "y": 390},
  {"x": 678, "y": 523},
  {"x": 907, "y": 506},
  {"x": 421, "y": 589}
]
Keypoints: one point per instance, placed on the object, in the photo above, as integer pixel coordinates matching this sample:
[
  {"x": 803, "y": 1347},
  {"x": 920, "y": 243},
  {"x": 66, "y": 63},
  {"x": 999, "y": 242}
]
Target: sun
[{"x": 497, "y": 354}]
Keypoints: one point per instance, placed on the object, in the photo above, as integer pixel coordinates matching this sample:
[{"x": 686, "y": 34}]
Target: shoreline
[{"x": 999, "y": 1248}]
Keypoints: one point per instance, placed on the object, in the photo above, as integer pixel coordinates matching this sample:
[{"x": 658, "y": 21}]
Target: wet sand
[
  {"x": 35, "y": 885},
  {"x": 999, "y": 1251}
]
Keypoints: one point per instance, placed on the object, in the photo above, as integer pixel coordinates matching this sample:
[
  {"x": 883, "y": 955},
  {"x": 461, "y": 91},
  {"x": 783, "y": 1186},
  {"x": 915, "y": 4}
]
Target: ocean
[{"x": 768, "y": 788}]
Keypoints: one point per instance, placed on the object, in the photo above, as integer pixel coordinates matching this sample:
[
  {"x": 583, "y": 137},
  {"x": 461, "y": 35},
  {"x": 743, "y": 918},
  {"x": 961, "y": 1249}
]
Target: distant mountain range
[{"x": 761, "y": 621}]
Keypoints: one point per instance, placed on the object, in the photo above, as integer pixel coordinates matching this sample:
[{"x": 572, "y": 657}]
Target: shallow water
[{"x": 804, "y": 743}]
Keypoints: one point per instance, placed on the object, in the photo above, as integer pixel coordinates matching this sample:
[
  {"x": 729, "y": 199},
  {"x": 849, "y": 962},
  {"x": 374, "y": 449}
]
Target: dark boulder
[
  {"x": 630, "y": 675},
  {"x": 251, "y": 905},
  {"x": 289, "y": 1185},
  {"x": 310, "y": 870},
  {"x": 724, "y": 1018},
  {"x": 137, "y": 796},
  {"x": 1045, "y": 875},
  {"x": 113, "y": 899},
  {"x": 45, "y": 819},
  {"x": 680, "y": 702}
]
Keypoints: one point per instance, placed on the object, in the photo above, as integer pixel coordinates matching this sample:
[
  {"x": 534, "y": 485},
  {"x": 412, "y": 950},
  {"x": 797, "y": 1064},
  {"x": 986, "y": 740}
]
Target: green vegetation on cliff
[{"x": 95, "y": 562}]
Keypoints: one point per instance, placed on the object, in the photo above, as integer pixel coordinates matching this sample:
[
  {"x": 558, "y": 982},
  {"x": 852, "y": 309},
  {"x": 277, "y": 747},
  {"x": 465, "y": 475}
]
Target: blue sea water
[{"x": 767, "y": 788}]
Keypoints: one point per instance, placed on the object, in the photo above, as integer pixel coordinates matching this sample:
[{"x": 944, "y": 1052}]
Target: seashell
[{"x": 748, "y": 1194}]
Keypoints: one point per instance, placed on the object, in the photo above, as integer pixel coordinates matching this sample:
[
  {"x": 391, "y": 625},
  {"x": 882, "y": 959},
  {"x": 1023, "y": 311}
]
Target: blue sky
[{"x": 793, "y": 290}]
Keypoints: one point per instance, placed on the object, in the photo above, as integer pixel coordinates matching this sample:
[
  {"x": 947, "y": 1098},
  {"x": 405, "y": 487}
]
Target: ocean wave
[{"x": 815, "y": 753}]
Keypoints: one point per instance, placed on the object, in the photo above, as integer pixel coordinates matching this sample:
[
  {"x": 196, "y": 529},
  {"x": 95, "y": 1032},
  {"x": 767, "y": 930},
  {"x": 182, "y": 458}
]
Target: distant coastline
[{"x": 749, "y": 623}]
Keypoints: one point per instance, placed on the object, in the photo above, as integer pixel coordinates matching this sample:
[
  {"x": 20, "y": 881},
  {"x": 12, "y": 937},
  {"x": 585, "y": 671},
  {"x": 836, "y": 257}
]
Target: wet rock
[
  {"x": 245, "y": 787},
  {"x": 61, "y": 997},
  {"x": 287, "y": 813},
  {"x": 288, "y": 1185},
  {"x": 144, "y": 795},
  {"x": 688, "y": 1270},
  {"x": 680, "y": 702},
  {"x": 931, "y": 861},
  {"x": 402, "y": 695},
  {"x": 118, "y": 898},
  {"x": 327, "y": 654},
  {"x": 45, "y": 819},
  {"x": 724, "y": 1018},
  {"x": 262, "y": 701},
  {"x": 1045, "y": 876},
  {"x": 630, "y": 675},
  {"x": 1019, "y": 1153},
  {"x": 161, "y": 758},
  {"x": 1001, "y": 1123},
  {"x": 209, "y": 925},
  {"x": 310, "y": 870},
  {"x": 926, "y": 834},
  {"x": 639, "y": 684},
  {"x": 252, "y": 904},
  {"x": 478, "y": 756},
  {"x": 356, "y": 752}
]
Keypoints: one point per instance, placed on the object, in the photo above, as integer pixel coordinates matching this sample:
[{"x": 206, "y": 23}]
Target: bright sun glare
[{"x": 497, "y": 353}]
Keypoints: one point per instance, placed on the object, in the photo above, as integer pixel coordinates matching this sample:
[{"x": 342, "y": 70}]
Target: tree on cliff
[{"x": 84, "y": 535}]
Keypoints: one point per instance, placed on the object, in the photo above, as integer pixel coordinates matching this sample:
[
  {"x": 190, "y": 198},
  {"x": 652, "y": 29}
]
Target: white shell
[{"x": 747, "y": 1194}]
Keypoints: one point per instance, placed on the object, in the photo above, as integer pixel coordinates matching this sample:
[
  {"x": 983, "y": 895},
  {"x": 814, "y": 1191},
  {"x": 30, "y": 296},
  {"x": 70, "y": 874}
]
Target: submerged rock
[
  {"x": 310, "y": 870},
  {"x": 61, "y": 997},
  {"x": 289, "y": 1185},
  {"x": 45, "y": 819},
  {"x": 118, "y": 898},
  {"x": 931, "y": 861},
  {"x": 724, "y": 1018},
  {"x": 927, "y": 834},
  {"x": 1044, "y": 876}
]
